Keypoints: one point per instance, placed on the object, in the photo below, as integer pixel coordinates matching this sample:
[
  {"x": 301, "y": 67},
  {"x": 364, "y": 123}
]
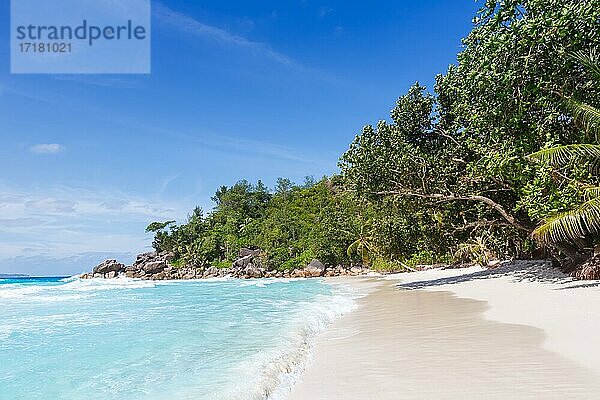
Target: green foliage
[
  {"x": 475, "y": 251},
  {"x": 561, "y": 155},
  {"x": 292, "y": 225},
  {"x": 362, "y": 248},
  {"x": 571, "y": 225},
  {"x": 388, "y": 266},
  {"x": 450, "y": 174},
  {"x": 222, "y": 264},
  {"x": 456, "y": 164},
  {"x": 588, "y": 116},
  {"x": 584, "y": 219},
  {"x": 504, "y": 99},
  {"x": 162, "y": 238},
  {"x": 158, "y": 226}
]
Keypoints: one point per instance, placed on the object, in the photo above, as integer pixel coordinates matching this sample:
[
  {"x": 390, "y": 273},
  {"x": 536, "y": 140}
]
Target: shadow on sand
[{"x": 518, "y": 270}]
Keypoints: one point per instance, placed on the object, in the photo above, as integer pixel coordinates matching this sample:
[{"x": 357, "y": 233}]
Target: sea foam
[{"x": 127, "y": 338}]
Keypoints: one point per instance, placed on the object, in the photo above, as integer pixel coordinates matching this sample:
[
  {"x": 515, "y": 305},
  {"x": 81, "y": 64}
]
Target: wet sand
[{"x": 407, "y": 343}]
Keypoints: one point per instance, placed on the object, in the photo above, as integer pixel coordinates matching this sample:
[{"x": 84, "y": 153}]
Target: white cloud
[
  {"x": 190, "y": 25},
  {"x": 234, "y": 144},
  {"x": 47, "y": 148},
  {"x": 82, "y": 203},
  {"x": 50, "y": 205},
  {"x": 66, "y": 221},
  {"x": 43, "y": 265}
]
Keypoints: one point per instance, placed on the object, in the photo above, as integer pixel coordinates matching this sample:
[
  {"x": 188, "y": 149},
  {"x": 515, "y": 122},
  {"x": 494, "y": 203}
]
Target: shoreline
[
  {"x": 448, "y": 333},
  {"x": 250, "y": 264}
]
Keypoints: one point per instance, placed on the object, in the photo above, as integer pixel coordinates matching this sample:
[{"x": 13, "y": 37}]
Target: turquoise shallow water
[{"x": 72, "y": 339}]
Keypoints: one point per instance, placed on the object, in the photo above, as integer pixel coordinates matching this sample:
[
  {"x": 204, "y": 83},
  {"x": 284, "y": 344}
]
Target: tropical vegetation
[{"x": 498, "y": 160}]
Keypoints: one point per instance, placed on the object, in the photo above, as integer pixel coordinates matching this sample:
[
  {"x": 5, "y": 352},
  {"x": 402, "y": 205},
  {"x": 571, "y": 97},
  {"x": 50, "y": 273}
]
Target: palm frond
[
  {"x": 587, "y": 115},
  {"x": 561, "y": 155},
  {"x": 590, "y": 60},
  {"x": 591, "y": 192},
  {"x": 570, "y": 225},
  {"x": 363, "y": 248},
  {"x": 474, "y": 251},
  {"x": 352, "y": 249}
]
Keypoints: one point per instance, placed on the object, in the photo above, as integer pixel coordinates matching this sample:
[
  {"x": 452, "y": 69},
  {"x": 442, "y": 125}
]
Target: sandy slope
[{"x": 456, "y": 334}]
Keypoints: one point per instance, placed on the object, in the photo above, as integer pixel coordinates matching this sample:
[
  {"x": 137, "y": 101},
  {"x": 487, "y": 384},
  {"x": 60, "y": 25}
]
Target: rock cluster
[
  {"x": 249, "y": 264},
  {"x": 107, "y": 269}
]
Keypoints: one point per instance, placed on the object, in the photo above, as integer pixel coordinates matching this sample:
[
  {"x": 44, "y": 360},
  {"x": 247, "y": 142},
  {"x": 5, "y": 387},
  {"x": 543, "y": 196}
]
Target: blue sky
[{"x": 238, "y": 90}]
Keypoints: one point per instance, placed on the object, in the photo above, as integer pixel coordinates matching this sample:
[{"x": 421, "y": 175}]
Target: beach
[{"x": 522, "y": 330}]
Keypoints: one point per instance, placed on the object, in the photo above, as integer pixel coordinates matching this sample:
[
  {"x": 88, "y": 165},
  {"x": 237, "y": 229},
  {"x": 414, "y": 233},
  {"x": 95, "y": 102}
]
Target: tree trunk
[{"x": 482, "y": 199}]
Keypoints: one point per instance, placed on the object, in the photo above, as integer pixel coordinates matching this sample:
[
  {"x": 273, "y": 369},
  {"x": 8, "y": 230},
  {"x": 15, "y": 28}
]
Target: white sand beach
[{"x": 520, "y": 331}]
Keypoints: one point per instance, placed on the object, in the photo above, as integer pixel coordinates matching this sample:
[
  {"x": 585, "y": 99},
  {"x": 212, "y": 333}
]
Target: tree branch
[
  {"x": 480, "y": 224},
  {"x": 451, "y": 197}
]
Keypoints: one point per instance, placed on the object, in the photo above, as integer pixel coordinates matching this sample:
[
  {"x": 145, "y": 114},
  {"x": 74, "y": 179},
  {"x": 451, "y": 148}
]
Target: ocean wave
[
  {"x": 48, "y": 324},
  {"x": 225, "y": 339},
  {"x": 282, "y": 366},
  {"x": 86, "y": 285},
  {"x": 5, "y": 331},
  {"x": 14, "y": 291},
  {"x": 35, "y": 294},
  {"x": 69, "y": 289},
  {"x": 263, "y": 282},
  {"x": 70, "y": 278},
  {"x": 218, "y": 279}
]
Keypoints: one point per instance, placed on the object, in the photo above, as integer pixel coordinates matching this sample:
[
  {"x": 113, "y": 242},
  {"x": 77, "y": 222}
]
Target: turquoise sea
[{"x": 72, "y": 339}]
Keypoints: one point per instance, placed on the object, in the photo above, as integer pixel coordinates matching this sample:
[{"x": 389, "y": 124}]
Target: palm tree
[
  {"x": 364, "y": 246},
  {"x": 584, "y": 219},
  {"x": 587, "y": 115},
  {"x": 475, "y": 250}
]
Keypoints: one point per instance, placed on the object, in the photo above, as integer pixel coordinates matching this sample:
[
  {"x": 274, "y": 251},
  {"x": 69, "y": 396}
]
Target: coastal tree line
[{"x": 498, "y": 160}]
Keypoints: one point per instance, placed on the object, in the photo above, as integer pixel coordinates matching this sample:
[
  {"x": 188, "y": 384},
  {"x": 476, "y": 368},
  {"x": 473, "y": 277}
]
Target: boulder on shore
[
  {"x": 297, "y": 273},
  {"x": 154, "y": 267},
  {"x": 252, "y": 271},
  {"x": 251, "y": 263},
  {"x": 588, "y": 270},
  {"x": 356, "y": 270},
  {"x": 245, "y": 251},
  {"x": 112, "y": 274},
  {"x": 247, "y": 256},
  {"x": 314, "y": 269},
  {"x": 109, "y": 266},
  {"x": 211, "y": 272}
]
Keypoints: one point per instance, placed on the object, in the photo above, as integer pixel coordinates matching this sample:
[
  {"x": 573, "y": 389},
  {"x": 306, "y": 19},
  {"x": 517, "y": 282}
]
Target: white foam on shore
[
  {"x": 86, "y": 285},
  {"x": 263, "y": 282},
  {"x": 217, "y": 279},
  {"x": 33, "y": 294},
  {"x": 12, "y": 291},
  {"x": 288, "y": 314},
  {"x": 64, "y": 291},
  {"x": 282, "y": 366},
  {"x": 71, "y": 289}
]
